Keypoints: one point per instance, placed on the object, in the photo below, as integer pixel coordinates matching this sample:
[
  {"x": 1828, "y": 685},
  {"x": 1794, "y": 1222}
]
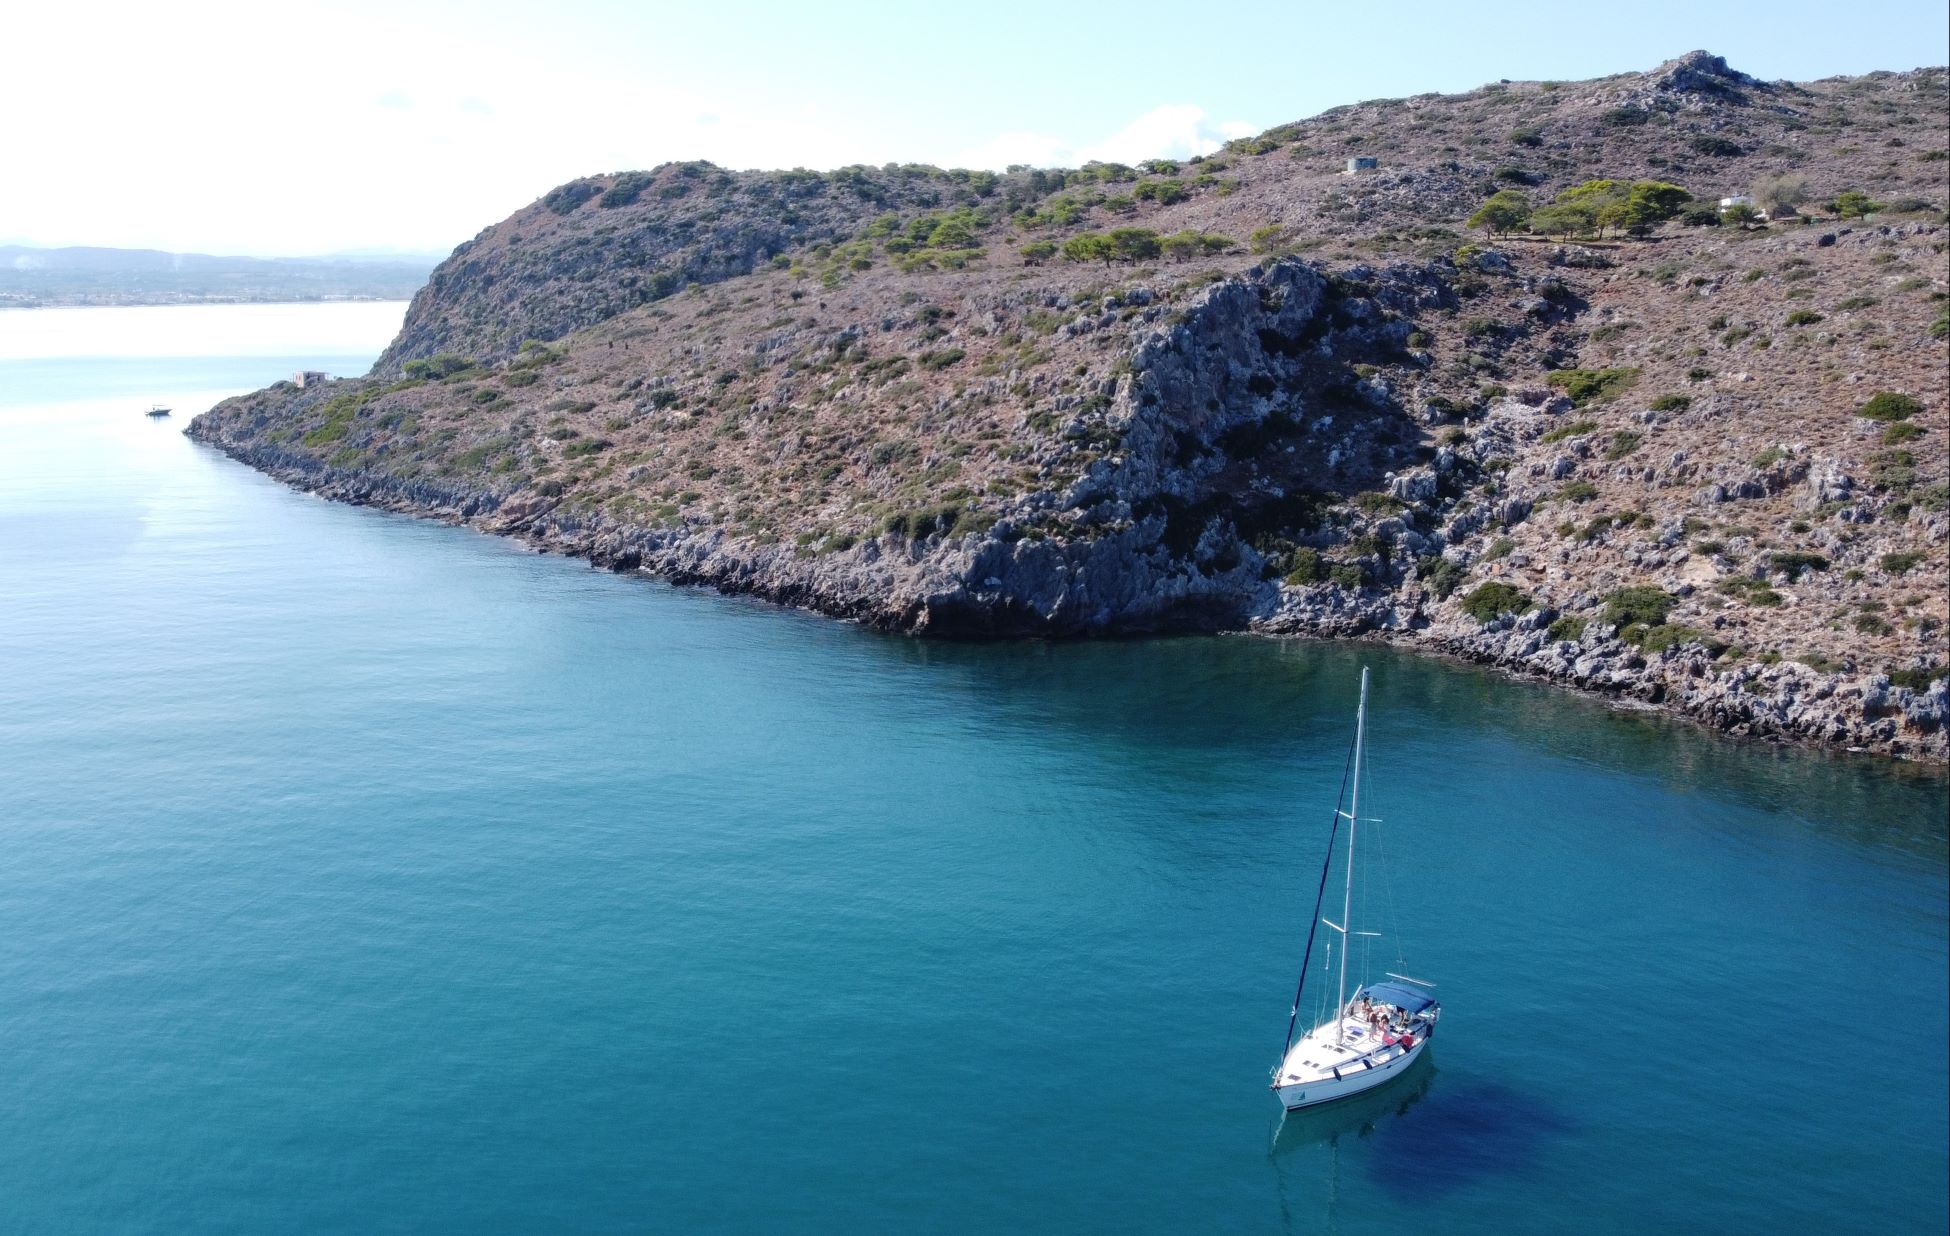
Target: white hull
[{"x": 1301, "y": 1086}]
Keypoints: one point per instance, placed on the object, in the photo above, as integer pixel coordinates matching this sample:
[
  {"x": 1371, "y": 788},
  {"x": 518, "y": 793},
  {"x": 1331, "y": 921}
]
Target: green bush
[
  {"x": 1853, "y": 204},
  {"x": 1662, "y": 636},
  {"x": 1672, "y": 403},
  {"x": 1305, "y": 566},
  {"x": 1506, "y": 211},
  {"x": 564, "y": 199},
  {"x": 940, "y": 358},
  {"x": 1036, "y": 252},
  {"x": 1266, "y": 239},
  {"x": 1490, "y": 600},
  {"x": 627, "y": 188},
  {"x": 1917, "y": 679},
  {"x": 1573, "y": 430},
  {"x": 439, "y": 367},
  {"x": 1578, "y": 491},
  {"x": 1588, "y": 385},
  {"x": 1641, "y": 604},
  {"x": 1751, "y": 590},
  {"x": 1794, "y": 563},
  {"x": 1442, "y": 576},
  {"x": 1623, "y": 443},
  {"x": 1719, "y": 147},
  {"x": 1901, "y": 561},
  {"x": 1889, "y": 406},
  {"x": 1569, "y": 627},
  {"x": 1348, "y": 576},
  {"x": 1803, "y": 317}
]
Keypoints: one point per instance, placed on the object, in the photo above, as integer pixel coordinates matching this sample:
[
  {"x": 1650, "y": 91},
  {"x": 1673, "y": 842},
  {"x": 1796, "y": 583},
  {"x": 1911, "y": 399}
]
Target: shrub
[
  {"x": 1572, "y": 430},
  {"x": 1578, "y": 491},
  {"x": 1589, "y": 385},
  {"x": 1901, "y": 432},
  {"x": 1853, "y": 204},
  {"x": 1441, "y": 575},
  {"x": 1659, "y": 637},
  {"x": 1640, "y": 604},
  {"x": 1347, "y": 575},
  {"x": 1889, "y": 406},
  {"x": 1036, "y": 252},
  {"x": 1779, "y": 194},
  {"x": 1623, "y": 443},
  {"x": 1794, "y": 563},
  {"x": 1719, "y": 147},
  {"x": 1490, "y": 600},
  {"x": 1803, "y": 317},
  {"x": 1917, "y": 679},
  {"x": 1749, "y": 589},
  {"x": 940, "y": 358},
  {"x": 1266, "y": 239},
  {"x": 1901, "y": 561},
  {"x": 564, "y": 199},
  {"x": 1672, "y": 403},
  {"x": 1701, "y": 216},
  {"x": 1527, "y": 137},
  {"x": 1506, "y": 211},
  {"x": 1569, "y": 627},
  {"x": 1305, "y": 566},
  {"x": 627, "y": 189}
]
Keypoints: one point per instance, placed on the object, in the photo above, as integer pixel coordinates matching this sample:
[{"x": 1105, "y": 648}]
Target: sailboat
[{"x": 1378, "y": 1034}]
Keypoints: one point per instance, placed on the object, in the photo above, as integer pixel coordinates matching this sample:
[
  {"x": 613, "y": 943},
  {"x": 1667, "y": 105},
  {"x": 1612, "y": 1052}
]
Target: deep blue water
[{"x": 362, "y": 874}]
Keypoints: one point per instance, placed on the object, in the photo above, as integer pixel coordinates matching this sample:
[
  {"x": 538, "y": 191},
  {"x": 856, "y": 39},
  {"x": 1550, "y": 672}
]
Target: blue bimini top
[{"x": 1401, "y": 997}]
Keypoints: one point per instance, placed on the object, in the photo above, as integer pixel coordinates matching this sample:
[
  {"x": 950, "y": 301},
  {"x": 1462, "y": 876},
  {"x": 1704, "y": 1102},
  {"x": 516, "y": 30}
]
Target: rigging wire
[
  {"x": 1320, "y": 894},
  {"x": 1388, "y": 888}
]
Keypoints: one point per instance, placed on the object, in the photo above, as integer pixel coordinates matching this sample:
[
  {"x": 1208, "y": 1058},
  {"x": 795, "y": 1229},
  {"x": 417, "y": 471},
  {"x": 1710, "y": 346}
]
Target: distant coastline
[{"x": 36, "y": 278}]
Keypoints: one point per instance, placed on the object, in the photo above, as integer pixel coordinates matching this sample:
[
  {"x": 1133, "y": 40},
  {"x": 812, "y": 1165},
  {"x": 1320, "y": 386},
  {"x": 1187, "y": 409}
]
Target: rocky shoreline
[
  {"x": 1693, "y": 464},
  {"x": 949, "y": 588}
]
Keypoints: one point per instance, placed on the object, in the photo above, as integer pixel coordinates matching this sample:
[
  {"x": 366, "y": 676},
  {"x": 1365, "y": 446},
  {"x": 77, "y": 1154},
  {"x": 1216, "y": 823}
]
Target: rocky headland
[{"x": 1681, "y": 456}]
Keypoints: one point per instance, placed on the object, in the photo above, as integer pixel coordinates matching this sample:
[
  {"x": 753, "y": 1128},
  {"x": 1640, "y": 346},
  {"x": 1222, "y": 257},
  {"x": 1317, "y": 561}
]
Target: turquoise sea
[{"x": 359, "y": 874}]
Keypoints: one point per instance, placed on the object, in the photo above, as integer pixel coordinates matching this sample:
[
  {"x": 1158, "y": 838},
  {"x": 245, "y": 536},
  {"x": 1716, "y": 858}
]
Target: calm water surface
[{"x": 361, "y": 874}]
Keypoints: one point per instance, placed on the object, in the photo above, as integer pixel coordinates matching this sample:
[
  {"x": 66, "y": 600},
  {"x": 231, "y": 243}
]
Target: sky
[{"x": 304, "y": 127}]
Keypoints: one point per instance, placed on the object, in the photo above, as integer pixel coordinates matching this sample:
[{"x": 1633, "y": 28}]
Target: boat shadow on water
[{"x": 1424, "y": 1136}]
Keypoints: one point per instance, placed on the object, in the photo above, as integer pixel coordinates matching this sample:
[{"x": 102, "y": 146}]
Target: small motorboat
[{"x": 157, "y": 410}]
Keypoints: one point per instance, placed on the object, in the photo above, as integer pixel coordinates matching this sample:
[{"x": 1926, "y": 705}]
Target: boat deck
[{"x": 1316, "y": 1054}]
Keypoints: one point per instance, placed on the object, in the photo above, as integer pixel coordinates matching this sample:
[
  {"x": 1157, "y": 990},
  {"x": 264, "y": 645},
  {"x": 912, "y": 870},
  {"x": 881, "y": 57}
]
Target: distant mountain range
[{"x": 87, "y": 275}]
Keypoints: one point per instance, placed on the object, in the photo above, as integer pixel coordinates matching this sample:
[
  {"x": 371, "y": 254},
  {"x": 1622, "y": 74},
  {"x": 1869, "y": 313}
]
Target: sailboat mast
[{"x": 1347, "y": 896}]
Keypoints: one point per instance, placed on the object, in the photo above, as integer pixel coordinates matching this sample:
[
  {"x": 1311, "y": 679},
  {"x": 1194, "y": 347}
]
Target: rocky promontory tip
[{"x": 1609, "y": 433}]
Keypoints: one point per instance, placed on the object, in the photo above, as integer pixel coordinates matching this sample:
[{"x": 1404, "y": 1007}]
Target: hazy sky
[{"x": 305, "y": 127}]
